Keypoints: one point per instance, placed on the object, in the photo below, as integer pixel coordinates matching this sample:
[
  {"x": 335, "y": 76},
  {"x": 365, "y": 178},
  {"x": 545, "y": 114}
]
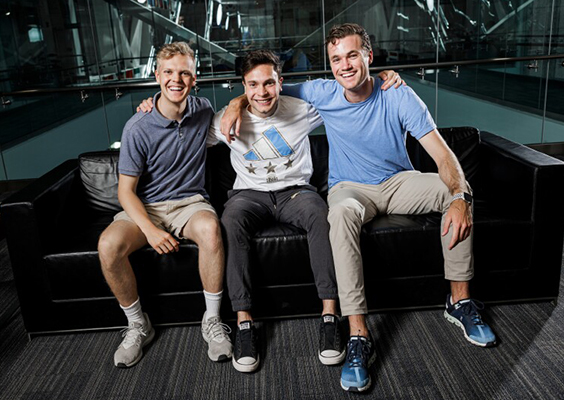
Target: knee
[
  {"x": 111, "y": 249},
  {"x": 313, "y": 209},
  {"x": 346, "y": 211},
  {"x": 207, "y": 233}
]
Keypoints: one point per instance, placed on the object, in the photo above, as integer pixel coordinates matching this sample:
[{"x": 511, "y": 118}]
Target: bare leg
[
  {"x": 329, "y": 307},
  {"x": 243, "y": 316},
  {"x": 203, "y": 228},
  {"x": 358, "y": 325},
  {"x": 116, "y": 243},
  {"x": 459, "y": 290}
]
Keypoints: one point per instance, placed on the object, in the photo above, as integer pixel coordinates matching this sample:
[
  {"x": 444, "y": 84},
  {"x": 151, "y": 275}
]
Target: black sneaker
[
  {"x": 245, "y": 354},
  {"x": 331, "y": 349}
]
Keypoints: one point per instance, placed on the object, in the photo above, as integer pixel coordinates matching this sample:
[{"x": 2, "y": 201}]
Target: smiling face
[
  {"x": 262, "y": 87},
  {"x": 176, "y": 76},
  {"x": 349, "y": 64}
]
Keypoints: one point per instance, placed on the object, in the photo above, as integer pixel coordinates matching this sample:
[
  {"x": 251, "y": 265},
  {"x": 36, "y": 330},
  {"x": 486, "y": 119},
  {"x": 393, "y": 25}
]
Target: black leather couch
[{"x": 52, "y": 227}]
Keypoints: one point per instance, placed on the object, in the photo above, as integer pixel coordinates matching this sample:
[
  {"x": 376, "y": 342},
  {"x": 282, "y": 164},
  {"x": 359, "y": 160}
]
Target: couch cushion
[{"x": 99, "y": 175}]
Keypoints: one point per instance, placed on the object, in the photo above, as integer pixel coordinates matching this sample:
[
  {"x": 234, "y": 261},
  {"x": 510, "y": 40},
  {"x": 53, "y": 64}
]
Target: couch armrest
[
  {"x": 519, "y": 181},
  {"x": 31, "y": 217}
]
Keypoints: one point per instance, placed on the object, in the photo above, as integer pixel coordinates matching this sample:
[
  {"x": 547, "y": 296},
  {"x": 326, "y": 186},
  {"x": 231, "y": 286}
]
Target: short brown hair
[
  {"x": 170, "y": 50},
  {"x": 349, "y": 29},
  {"x": 259, "y": 57}
]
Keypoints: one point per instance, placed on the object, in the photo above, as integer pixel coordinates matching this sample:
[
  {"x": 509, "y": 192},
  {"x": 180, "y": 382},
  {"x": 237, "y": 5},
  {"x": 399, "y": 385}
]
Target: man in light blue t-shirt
[{"x": 370, "y": 173}]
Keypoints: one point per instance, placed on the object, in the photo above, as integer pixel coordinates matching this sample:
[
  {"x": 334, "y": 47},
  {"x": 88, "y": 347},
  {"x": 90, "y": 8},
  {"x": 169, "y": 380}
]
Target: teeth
[
  {"x": 175, "y": 89},
  {"x": 347, "y": 75}
]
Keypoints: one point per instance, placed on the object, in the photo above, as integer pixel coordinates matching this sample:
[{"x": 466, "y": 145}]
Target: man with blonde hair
[{"x": 161, "y": 190}]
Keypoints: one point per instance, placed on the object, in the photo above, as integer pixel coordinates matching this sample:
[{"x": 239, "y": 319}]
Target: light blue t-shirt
[
  {"x": 168, "y": 157},
  {"x": 366, "y": 139}
]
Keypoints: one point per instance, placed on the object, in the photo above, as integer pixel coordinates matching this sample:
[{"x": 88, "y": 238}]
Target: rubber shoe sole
[
  {"x": 456, "y": 322},
  {"x": 351, "y": 388},
  {"x": 246, "y": 367},
  {"x": 140, "y": 356},
  {"x": 332, "y": 360}
]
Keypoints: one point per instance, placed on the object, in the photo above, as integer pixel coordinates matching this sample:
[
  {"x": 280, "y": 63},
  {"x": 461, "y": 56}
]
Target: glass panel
[
  {"x": 512, "y": 108},
  {"x": 402, "y": 31},
  {"x": 554, "y": 121},
  {"x": 32, "y": 34},
  {"x": 62, "y": 127},
  {"x": 489, "y": 29},
  {"x": 290, "y": 28},
  {"x": 557, "y": 42}
]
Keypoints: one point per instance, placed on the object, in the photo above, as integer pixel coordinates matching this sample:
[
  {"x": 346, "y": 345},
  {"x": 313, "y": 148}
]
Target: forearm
[
  {"x": 452, "y": 175},
  {"x": 239, "y": 103},
  {"x": 135, "y": 209}
]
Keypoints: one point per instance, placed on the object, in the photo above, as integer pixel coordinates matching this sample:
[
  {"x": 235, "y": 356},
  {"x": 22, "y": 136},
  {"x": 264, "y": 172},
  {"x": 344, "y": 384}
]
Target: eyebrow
[{"x": 266, "y": 81}]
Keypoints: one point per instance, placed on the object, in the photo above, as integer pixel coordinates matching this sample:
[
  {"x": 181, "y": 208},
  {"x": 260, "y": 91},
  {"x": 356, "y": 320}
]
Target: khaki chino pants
[{"x": 353, "y": 204}]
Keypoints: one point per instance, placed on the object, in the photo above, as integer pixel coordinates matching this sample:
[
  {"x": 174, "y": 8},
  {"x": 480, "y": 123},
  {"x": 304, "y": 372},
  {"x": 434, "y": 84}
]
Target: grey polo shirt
[{"x": 167, "y": 156}]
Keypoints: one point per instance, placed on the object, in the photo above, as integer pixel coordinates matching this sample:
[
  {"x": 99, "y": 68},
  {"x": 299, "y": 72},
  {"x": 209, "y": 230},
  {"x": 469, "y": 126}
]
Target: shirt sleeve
[
  {"x": 414, "y": 115},
  {"x": 214, "y": 132},
  {"x": 299, "y": 90},
  {"x": 132, "y": 154},
  {"x": 313, "y": 117}
]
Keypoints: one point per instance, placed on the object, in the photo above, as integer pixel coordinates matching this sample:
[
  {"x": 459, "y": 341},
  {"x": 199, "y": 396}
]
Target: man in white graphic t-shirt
[{"x": 272, "y": 160}]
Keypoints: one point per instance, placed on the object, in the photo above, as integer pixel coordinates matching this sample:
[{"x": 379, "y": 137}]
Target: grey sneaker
[
  {"x": 216, "y": 334},
  {"x": 136, "y": 336}
]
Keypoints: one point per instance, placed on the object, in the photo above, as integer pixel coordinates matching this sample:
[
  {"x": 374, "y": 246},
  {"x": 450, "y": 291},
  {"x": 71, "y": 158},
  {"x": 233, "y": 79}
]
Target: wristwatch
[{"x": 467, "y": 197}]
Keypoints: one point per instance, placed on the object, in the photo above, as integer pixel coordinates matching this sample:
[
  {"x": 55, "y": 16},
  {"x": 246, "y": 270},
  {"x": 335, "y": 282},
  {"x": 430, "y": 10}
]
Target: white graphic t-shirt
[{"x": 274, "y": 152}]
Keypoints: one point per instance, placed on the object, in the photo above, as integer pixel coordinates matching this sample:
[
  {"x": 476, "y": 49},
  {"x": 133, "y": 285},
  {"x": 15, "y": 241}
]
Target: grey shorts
[{"x": 172, "y": 215}]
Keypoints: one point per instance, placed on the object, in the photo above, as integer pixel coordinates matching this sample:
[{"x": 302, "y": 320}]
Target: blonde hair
[{"x": 170, "y": 50}]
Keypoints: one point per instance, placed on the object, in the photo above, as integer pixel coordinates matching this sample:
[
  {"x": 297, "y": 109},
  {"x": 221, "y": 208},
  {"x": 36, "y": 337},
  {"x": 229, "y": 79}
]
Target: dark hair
[
  {"x": 348, "y": 29},
  {"x": 259, "y": 57}
]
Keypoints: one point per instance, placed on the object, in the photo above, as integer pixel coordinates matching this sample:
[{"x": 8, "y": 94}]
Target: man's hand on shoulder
[
  {"x": 163, "y": 242},
  {"x": 459, "y": 219},
  {"x": 391, "y": 78},
  {"x": 146, "y": 105}
]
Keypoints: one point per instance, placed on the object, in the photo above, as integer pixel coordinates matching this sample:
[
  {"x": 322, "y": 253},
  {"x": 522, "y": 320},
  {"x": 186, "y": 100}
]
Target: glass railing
[
  {"x": 61, "y": 43},
  {"x": 49, "y": 126},
  {"x": 71, "y": 73}
]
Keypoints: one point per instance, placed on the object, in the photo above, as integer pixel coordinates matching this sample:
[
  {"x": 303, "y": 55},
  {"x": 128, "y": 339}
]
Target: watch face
[{"x": 467, "y": 197}]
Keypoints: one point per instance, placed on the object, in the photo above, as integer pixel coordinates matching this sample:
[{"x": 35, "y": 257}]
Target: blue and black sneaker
[
  {"x": 360, "y": 356},
  {"x": 465, "y": 314}
]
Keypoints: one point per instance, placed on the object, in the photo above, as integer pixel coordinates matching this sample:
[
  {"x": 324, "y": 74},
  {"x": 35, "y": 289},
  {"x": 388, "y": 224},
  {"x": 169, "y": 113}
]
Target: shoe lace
[
  {"x": 329, "y": 334},
  {"x": 472, "y": 309},
  {"x": 132, "y": 335},
  {"x": 216, "y": 329},
  {"x": 246, "y": 341},
  {"x": 358, "y": 353}
]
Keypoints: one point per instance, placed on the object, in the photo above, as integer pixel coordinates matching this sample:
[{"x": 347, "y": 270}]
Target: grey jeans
[
  {"x": 353, "y": 204},
  {"x": 247, "y": 211}
]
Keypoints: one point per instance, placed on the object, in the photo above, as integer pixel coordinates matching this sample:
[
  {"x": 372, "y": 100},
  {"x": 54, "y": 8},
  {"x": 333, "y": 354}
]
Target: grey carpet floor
[{"x": 420, "y": 356}]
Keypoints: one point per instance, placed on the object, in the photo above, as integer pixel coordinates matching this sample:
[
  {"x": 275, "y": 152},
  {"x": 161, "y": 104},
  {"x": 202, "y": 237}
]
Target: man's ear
[{"x": 281, "y": 80}]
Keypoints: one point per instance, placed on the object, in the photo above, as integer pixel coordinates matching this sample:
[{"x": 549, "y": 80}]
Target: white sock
[
  {"x": 134, "y": 313},
  {"x": 213, "y": 303}
]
